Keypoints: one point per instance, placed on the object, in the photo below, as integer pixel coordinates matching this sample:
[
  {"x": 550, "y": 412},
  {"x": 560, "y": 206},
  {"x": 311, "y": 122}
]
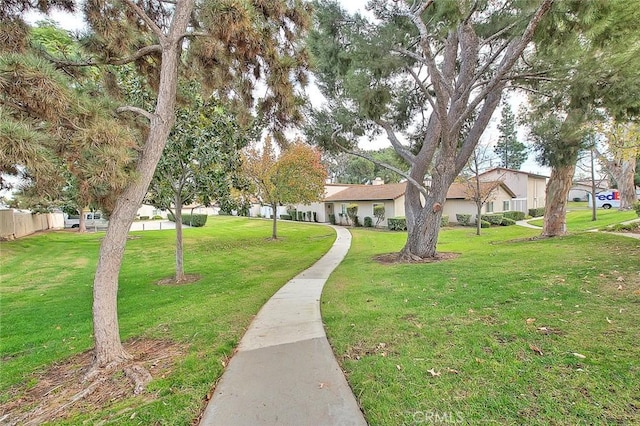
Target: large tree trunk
[
  {"x": 626, "y": 184},
  {"x": 177, "y": 215},
  {"x": 108, "y": 348},
  {"x": 274, "y": 233},
  {"x": 555, "y": 212}
]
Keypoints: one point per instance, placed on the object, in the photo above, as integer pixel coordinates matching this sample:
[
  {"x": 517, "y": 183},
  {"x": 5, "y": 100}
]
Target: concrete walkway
[
  {"x": 284, "y": 371},
  {"x": 526, "y": 224}
]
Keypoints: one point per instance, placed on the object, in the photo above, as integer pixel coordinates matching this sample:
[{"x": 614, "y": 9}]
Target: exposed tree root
[{"x": 68, "y": 389}]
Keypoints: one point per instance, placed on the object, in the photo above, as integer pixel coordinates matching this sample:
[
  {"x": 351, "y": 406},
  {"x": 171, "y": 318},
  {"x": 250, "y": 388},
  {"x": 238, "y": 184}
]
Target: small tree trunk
[
  {"x": 179, "y": 252},
  {"x": 555, "y": 212},
  {"x": 626, "y": 184},
  {"x": 274, "y": 233},
  {"x": 82, "y": 224},
  {"x": 478, "y": 218},
  {"x": 594, "y": 214}
]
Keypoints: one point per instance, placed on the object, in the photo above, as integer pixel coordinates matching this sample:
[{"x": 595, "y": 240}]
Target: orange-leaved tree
[{"x": 296, "y": 177}]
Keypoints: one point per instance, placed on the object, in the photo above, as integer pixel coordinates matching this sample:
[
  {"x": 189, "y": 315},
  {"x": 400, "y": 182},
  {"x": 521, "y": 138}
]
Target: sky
[{"x": 75, "y": 23}]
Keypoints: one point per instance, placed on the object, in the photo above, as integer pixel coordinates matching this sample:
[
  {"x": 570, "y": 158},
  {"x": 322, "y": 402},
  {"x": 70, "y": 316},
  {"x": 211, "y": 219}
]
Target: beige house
[
  {"x": 501, "y": 200},
  {"x": 529, "y": 188}
]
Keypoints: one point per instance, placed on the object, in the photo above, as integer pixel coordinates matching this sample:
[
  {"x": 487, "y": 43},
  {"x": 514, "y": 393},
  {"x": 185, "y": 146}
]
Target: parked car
[{"x": 93, "y": 220}]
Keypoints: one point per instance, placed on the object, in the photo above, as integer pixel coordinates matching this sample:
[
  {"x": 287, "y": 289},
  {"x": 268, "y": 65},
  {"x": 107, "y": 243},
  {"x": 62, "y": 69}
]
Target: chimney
[{"x": 377, "y": 181}]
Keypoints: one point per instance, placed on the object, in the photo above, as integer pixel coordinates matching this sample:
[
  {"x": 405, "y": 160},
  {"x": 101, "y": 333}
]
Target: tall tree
[
  {"x": 227, "y": 45},
  {"x": 584, "y": 64},
  {"x": 620, "y": 157},
  {"x": 198, "y": 163},
  {"x": 511, "y": 152},
  {"x": 296, "y": 177},
  {"x": 418, "y": 73}
]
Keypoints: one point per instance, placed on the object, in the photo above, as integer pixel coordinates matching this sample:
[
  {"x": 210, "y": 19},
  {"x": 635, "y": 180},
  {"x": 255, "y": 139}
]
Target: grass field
[
  {"x": 514, "y": 331},
  {"x": 579, "y": 219},
  {"x": 46, "y": 295}
]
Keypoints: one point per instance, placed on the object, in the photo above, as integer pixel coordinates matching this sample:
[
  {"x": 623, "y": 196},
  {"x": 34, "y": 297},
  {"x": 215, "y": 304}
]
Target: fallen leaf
[
  {"x": 479, "y": 360},
  {"x": 433, "y": 372},
  {"x": 531, "y": 320},
  {"x": 535, "y": 349},
  {"x": 224, "y": 363},
  {"x": 452, "y": 371},
  {"x": 620, "y": 287},
  {"x": 620, "y": 279},
  {"x": 471, "y": 311},
  {"x": 399, "y": 367},
  {"x": 320, "y": 386},
  {"x": 577, "y": 355},
  {"x": 608, "y": 320}
]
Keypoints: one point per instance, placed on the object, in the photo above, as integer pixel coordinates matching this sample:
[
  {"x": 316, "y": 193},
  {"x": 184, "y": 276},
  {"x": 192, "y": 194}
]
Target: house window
[
  {"x": 505, "y": 206},
  {"x": 344, "y": 209},
  {"x": 490, "y": 207}
]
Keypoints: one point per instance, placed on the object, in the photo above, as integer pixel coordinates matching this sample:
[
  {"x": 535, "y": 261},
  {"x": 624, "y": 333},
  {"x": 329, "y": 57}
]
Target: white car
[{"x": 91, "y": 219}]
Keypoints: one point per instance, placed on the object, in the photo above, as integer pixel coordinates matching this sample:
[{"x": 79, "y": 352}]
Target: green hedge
[
  {"x": 332, "y": 218},
  {"x": 195, "y": 220},
  {"x": 507, "y": 222},
  {"x": 285, "y": 217},
  {"x": 485, "y": 224},
  {"x": 368, "y": 222},
  {"x": 463, "y": 219},
  {"x": 157, "y": 217},
  {"x": 636, "y": 207},
  {"x": 397, "y": 223},
  {"x": 514, "y": 215},
  {"x": 144, "y": 217},
  {"x": 494, "y": 218},
  {"x": 536, "y": 212},
  {"x": 444, "y": 220}
]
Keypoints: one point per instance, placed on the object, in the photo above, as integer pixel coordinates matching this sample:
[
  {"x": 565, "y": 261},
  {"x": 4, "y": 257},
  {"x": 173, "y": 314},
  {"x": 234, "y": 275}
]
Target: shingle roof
[
  {"x": 391, "y": 191},
  {"x": 394, "y": 191}
]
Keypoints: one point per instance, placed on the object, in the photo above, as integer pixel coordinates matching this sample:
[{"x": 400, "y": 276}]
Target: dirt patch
[
  {"x": 359, "y": 351},
  {"x": 188, "y": 279},
  {"x": 396, "y": 258},
  {"x": 60, "y": 391}
]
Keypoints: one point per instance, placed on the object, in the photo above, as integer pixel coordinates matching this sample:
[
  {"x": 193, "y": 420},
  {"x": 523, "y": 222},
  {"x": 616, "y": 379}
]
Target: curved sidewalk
[{"x": 284, "y": 371}]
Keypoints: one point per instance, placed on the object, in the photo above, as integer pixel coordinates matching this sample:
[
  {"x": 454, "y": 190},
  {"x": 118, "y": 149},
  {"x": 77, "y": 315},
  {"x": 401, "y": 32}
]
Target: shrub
[
  {"x": 300, "y": 216},
  {"x": 285, "y": 217},
  {"x": 356, "y": 221},
  {"x": 157, "y": 217},
  {"x": 636, "y": 207},
  {"x": 444, "y": 220},
  {"x": 514, "y": 215},
  {"x": 292, "y": 213},
  {"x": 576, "y": 199},
  {"x": 537, "y": 212},
  {"x": 485, "y": 224},
  {"x": 378, "y": 212},
  {"x": 332, "y": 218},
  {"x": 315, "y": 216},
  {"x": 309, "y": 216},
  {"x": 507, "y": 222},
  {"x": 494, "y": 219},
  {"x": 397, "y": 224},
  {"x": 195, "y": 220},
  {"x": 352, "y": 213},
  {"x": 463, "y": 219},
  {"x": 368, "y": 222},
  {"x": 144, "y": 217}
]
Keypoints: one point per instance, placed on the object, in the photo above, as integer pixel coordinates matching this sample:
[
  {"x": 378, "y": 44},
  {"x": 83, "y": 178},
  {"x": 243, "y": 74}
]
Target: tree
[
  {"x": 511, "y": 152},
  {"x": 480, "y": 192},
  {"x": 228, "y": 46},
  {"x": 583, "y": 66},
  {"x": 418, "y": 73},
  {"x": 198, "y": 163},
  {"x": 296, "y": 177},
  {"x": 619, "y": 160}
]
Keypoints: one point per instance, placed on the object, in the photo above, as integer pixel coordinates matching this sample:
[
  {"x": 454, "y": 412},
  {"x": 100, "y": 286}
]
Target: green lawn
[
  {"x": 457, "y": 341},
  {"x": 580, "y": 219},
  {"x": 46, "y": 294}
]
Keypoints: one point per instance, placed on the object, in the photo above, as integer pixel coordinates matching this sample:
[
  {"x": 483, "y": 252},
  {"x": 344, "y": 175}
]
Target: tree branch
[
  {"x": 397, "y": 146},
  {"x": 156, "y": 48},
  {"x": 424, "y": 88},
  {"x": 134, "y": 109},
  {"x": 147, "y": 20}
]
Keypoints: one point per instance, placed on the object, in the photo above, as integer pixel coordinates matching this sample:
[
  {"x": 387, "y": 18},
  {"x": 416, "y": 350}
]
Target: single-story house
[
  {"x": 529, "y": 188},
  {"x": 150, "y": 211},
  {"x": 391, "y": 197}
]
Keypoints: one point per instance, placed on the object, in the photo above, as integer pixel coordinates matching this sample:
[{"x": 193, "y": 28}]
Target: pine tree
[{"x": 511, "y": 152}]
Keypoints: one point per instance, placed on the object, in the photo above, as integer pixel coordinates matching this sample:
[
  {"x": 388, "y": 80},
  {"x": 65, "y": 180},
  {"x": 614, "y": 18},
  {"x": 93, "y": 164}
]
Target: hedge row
[
  {"x": 195, "y": 220},
  {"x": 536, "y": 212},
  {"x": 400, "y": 223},
  {"x": 514, "y": 215}
]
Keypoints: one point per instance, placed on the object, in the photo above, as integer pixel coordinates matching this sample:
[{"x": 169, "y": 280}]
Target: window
[
  {"x": 344, "y": 209},
  {"x": 490, "y": 207},
  {"x": 505, "y": 206}
]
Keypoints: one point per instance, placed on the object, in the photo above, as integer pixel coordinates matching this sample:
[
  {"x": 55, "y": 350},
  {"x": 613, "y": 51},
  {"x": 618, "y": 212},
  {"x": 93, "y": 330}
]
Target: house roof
[
  {"x": 394, "y": 191},
  {"x": 459, "y": 190},
  {"x": 504, "y": 169},
  {"x": 390, "y": 191}
]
